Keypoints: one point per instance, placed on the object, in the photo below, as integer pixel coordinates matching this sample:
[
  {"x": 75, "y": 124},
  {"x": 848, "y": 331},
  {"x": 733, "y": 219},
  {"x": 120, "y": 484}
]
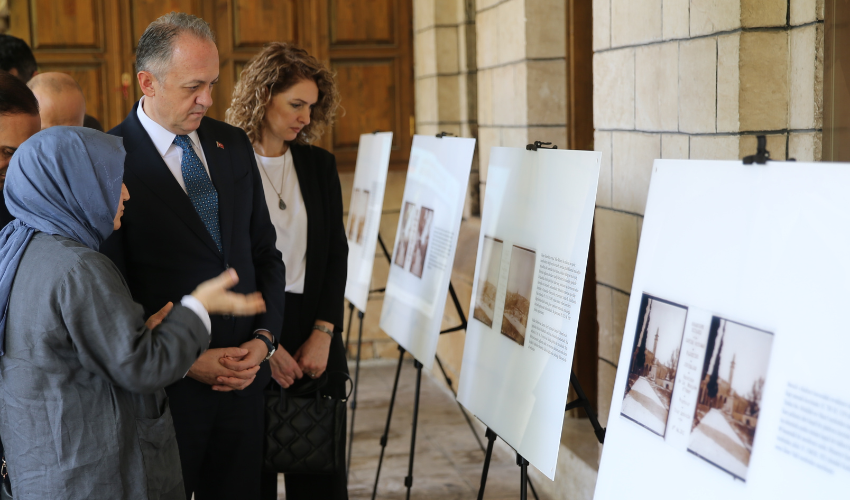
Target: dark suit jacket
[
  {"x": 164, "y": 250},
  {"x": 5, "y": 216},
  {"x": 327, "y": 246}
]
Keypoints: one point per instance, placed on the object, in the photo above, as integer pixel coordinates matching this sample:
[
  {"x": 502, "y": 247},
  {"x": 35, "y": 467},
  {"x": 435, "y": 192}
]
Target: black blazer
[
  {"x": 163, "y": 248},
  {"x": 327, "y": 246}
]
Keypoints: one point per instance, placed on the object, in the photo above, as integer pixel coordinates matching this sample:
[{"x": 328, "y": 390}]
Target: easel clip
[
  {"x": 540, "y": 145},
  {"x": 444, "y": 134},
  {"x": 762, "y": 154}
]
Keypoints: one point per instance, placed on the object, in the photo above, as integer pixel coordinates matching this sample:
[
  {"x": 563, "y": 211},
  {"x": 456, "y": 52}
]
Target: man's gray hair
[{"x": 157, "y": 42}]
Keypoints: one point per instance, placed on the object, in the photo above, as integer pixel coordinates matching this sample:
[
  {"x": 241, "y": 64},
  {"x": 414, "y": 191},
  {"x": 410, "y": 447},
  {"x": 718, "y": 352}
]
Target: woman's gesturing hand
[
  {"x": 214, "y": 295},
  {"x": 284, "y": 369}
]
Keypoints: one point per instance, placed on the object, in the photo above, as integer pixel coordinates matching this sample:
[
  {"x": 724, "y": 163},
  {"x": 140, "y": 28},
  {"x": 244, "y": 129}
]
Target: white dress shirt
[
  {"x": 163, "y": 141},
  {"x": 279, "y": 176}
]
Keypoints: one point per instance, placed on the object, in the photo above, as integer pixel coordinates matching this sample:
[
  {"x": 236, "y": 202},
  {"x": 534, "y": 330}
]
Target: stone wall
[{"x": 690, "y": 79}]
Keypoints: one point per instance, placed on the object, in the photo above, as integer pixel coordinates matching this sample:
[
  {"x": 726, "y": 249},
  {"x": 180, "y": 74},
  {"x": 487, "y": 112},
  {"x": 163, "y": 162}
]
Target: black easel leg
[
  {"x": 389, "y": 419},
  {"x": 491, "y": 438},
  {"x": 523, "y": 474},
  {"x": 354, "y": 391},
  {"x": 460, "y": 406},
  {"x": 348, "y": 331},
  {"x": 408, "y": 481},
  {"x": 585, "y": 403}
]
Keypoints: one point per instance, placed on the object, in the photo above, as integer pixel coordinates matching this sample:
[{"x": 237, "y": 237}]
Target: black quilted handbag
[{"x": 304, "y": 428}]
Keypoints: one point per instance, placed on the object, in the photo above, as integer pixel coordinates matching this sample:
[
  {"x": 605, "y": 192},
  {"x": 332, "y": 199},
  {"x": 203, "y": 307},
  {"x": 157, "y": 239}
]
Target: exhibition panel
[
  {"x": 364, "y": 214},
  {"x": 422, "y": 258},
  {"x": 526, "y": 296},
  {"x": 729, "y": 380}
]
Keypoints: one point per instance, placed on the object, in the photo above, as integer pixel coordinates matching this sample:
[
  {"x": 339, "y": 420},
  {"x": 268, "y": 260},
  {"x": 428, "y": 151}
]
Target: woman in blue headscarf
[{"x": 83, "y": 413}]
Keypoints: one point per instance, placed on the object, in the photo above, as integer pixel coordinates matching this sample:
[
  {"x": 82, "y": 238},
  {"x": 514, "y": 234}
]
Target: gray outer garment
[{"x": 83, "y": 412}]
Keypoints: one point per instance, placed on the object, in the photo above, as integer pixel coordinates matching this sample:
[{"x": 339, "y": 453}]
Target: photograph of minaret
[
  {"x": 730, "y": 392},
  {"x": 654, "y": 359}
]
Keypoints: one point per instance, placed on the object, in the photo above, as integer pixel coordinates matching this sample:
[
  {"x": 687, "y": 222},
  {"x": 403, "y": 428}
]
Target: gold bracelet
[{"x": 323, "y": 328}]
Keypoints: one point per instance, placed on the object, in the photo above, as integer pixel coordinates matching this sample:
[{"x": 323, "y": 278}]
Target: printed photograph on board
[
  {"x": 654, "y": 360},
  {"x": 403, "y": 236},
  {"x": 488, "y": 281},
  {"x": 352, "y": 218},
  {"x": 730, "y": 393},
  {"x": 518, "y": 294},
  {"x": 413, "y": 238},
  {"x": 362, "y": 211},
  {"x": 357, "y": 210}
]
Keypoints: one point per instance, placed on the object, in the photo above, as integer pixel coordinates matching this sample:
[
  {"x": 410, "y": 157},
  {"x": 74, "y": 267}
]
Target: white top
[
  {"x": 279, "y": 176},
  {"x": 163, "y": 141}
]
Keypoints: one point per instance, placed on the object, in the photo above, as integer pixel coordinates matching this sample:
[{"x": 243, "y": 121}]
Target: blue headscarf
[{"x": 64, "y": 181}]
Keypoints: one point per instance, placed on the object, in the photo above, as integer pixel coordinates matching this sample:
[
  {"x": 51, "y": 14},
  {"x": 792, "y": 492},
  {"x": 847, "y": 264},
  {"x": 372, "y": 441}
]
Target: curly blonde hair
[{"x": 275, "y": 69}]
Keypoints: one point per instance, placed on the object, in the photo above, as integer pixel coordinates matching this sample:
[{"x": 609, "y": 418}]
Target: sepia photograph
[
  {"x": 357, "y": 211},
  {"x": 730, "y": 393},
  {"x": 420, "y": 244},
  {"x": 654, "y": 360},
  {"x": 488, "y": 281},
  {"x": 403, "y": 236},
  {"x": 518, "y": 294},
  {"x": 414, "y": 234},
  {"x": 352, "y": 218}
]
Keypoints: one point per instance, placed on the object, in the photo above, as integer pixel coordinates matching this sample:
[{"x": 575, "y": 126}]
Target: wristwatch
[
  {"x": 269, "y": 344},
  {"x": 323, "y": 328}
]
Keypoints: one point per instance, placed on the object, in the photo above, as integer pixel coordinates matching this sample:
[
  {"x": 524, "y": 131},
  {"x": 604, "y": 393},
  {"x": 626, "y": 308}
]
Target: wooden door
[
  {"x": 78, "y": 37},
  {"x": 369, "y": 44}
]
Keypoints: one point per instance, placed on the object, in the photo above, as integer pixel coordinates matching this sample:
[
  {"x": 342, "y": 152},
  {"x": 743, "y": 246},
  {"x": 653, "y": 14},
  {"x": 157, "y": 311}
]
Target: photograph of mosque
[
  {"x": 414, "y": 233},
  {"x": 488, "y": 280},
  {"x": 358, "y": 210},
  {"x": 731, "y": 388},
  {"x": 518, "y": 294},
  {"x": 655, "y": 357}
]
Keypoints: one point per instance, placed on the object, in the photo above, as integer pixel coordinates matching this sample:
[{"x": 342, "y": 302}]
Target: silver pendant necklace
[{"x": 280, "y": 203}]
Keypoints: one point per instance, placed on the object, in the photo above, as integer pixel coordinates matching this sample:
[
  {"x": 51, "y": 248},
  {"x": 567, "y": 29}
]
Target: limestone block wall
[
  {"x": 522, "y": 76},
  {"x": 690, "y": 79}
]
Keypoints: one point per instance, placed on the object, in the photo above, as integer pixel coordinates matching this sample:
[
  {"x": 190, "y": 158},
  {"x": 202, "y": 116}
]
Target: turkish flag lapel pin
[{"x": 219, "y": 145}]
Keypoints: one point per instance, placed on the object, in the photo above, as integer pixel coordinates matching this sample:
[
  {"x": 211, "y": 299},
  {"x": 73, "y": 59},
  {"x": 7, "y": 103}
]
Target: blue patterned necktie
[{"x": 199, "y": 187}]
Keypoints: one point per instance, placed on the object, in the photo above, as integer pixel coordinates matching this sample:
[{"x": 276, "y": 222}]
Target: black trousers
[
  {"x": 310, "y": 486},
  {"x": 220, "y": 437}
]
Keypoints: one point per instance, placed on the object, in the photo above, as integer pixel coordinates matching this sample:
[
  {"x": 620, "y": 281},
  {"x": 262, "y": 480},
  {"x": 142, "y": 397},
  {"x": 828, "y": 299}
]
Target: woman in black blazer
[{"x": 284, "y": 100}]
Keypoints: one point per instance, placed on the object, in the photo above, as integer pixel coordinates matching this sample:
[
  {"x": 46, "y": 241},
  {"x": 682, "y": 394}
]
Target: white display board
[
  {"x": 424, "y": 250},
  {"x": 526, "y": 296},
  {"x": 730, "y": 378},
  {"x": 364, "y": 214}
]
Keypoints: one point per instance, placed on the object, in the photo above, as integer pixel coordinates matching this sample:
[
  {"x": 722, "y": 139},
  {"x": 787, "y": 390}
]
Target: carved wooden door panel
[
  {"x": 367, "y": 42},
  {"x": 78, "y": 37},
  {"x": 370, "y": 47}
]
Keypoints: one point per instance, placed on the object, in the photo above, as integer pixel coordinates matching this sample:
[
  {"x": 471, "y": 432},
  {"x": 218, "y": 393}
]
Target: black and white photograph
[
  {"x": 358, "y": 209},
  {"x": 730, "y": 394},
  {"x": 413, "y": 238},
  {"x": 654, "y": 361},
  {"x": 518, "y": 294},
  {"x": 488, "y": 280}
]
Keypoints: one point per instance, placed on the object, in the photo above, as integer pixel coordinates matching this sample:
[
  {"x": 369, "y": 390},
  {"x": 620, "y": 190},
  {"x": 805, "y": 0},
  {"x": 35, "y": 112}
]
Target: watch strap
[{"x": 269, "y": 344}]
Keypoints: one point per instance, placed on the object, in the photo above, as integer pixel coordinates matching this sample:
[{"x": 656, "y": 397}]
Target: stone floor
[{"x": 448, "y": 460}]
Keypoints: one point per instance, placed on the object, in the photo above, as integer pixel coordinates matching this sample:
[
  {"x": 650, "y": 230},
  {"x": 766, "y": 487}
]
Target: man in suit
[
  {"x": 19, "y": 120},
  {"x": 198, "y": 208}
]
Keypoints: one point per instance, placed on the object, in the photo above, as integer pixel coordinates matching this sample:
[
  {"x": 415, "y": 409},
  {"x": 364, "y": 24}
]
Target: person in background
[
  {"x": 60, "y": 99},
  {"x": 17, "y": 59},
  {"x": 199, "y": 208},
  {"x": 284, "y": 101},
  {"x": 19, "y": 120},
  {"x": 84, "y": 414}
]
